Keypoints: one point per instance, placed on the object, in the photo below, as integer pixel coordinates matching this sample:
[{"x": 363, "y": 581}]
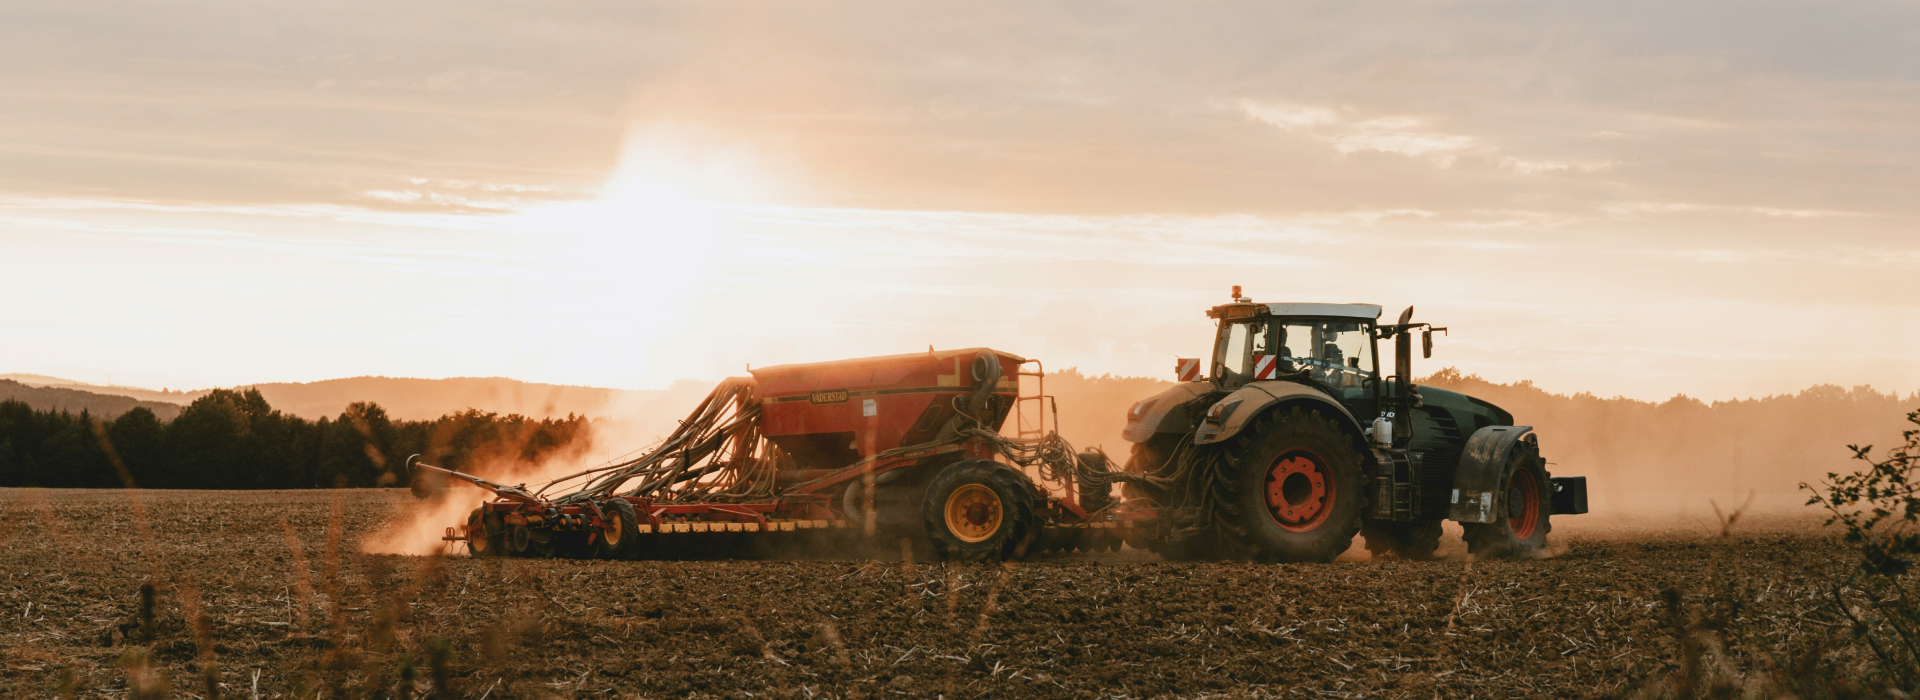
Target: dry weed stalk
[
  {"x": 302, "y": 580},
  {"x": 201, "y": 624},
  {"x": 140, "y": 524},
  {"x": 1727, "y": 521}
]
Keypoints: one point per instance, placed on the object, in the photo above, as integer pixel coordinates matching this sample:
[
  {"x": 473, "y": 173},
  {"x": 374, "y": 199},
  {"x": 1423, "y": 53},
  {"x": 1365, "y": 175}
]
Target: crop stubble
[{"x": 1590, "y": 622}]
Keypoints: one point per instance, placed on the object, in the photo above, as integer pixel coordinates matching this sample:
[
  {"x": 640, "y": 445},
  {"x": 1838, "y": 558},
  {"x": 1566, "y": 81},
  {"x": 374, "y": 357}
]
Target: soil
[{"x": 277, "y": 611}]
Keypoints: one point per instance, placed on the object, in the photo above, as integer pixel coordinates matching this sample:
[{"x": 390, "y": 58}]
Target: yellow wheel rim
[
  {"x": 611, "y": 535},
  {"x": 973, "y": 513},
  {"x": 478, "y": 541}
]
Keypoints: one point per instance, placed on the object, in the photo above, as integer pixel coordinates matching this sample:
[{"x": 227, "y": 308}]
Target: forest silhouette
[{"x": 231, "y": 439}]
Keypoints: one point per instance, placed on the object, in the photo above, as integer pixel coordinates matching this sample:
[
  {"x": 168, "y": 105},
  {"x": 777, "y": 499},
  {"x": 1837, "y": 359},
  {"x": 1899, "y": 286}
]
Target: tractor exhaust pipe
[{"x": 1403, "y": 379}]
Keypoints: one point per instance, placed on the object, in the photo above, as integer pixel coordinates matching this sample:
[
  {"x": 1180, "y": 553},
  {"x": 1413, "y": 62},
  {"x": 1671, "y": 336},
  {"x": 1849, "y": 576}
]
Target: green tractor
[{"x": 1294, "y": 442}]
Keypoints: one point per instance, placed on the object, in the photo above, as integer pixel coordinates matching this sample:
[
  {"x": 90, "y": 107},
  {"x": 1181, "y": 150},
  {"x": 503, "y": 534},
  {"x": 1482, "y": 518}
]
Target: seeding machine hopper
[{"x": 885, "y": 448}]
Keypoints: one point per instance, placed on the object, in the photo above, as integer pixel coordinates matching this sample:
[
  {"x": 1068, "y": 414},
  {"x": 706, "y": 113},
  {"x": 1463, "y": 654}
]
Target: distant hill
[
  {"x": 55, "y": 398},
  {"x": 414, "y": 399},
  {"x": 40, "y": 380}
]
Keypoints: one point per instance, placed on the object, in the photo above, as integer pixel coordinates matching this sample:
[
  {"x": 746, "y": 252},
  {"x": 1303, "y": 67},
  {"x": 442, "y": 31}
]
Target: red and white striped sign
[
  {"x": 1188, "y": 368},
  {"x": 1264, "y": 366}
]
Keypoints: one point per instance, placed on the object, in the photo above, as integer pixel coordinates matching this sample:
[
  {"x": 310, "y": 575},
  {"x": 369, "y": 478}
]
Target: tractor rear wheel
[
  {"x": 620, "y": 539},
  {"x": 490, "y": 541},
  {"x": 1527, "y": 503},
  {"x": 1293, "y": 488},
  {"x": 979, "y": 510},
  {"x": 1414, "y": 541}
]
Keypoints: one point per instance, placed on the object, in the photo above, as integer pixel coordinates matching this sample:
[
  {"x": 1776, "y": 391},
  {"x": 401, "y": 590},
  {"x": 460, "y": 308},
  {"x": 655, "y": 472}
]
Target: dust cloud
[{"x": 634, "y": 422}]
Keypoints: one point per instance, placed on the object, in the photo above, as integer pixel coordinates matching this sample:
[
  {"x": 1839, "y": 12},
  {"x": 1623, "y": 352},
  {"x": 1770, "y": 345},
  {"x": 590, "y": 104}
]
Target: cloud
[
  {"x": 1020, "y": 107},
  {"x": 1402, "y": 135},
  {"x": 1289, "y": 117},
  {"x": 1405, "y": 136},
  {"x": 1629, "y": 209},
  {"x": 1537, "y": 167}
]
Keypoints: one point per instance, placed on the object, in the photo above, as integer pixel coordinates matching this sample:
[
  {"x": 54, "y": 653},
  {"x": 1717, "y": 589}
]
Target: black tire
[
  {"x": 1527, "y": 498},
  {"x": 979, "y": 510},
  {"x": 528, "y": 543},
  {"x": 492, "y": 544},
  {"x": 621, "y": 540},
  {"x": 1320, "y": 496},
  {"x": 1413, "y": 541},
  {"x": 855, "y": 504}
]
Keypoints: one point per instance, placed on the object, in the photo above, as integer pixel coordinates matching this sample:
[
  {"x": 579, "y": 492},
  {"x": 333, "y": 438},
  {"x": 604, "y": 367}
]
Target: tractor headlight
[{"x": 1219, "y": 412}]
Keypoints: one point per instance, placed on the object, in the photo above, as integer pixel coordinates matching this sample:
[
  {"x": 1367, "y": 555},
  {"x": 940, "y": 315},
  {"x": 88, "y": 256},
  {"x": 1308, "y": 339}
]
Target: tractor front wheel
[
  {"x": 979, "y": 510},
  {"x": 1294, "y": 488},
  {"x": 1526, "y": 503}
]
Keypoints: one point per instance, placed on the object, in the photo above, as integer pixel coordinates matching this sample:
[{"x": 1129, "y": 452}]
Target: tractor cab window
[
  {"x": 1336, "y": 353},
  {"x": 1242, "y": 344}
]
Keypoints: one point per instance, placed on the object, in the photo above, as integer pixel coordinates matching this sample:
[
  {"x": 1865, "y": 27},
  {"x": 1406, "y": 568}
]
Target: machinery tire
[
  {"x": 1528, "y": 501},
  {"x": 1294, "y": 490},
  {"x": 854, "y": 503},
  {"x": 979, "y": 510},
  {"x": 528, "y": 543},
  {"x": 622, "y": 539},
  {"x": 1414, "y": 541},
  {"x": 493, "y": 543},
  {"x": 519, "y": 541}
]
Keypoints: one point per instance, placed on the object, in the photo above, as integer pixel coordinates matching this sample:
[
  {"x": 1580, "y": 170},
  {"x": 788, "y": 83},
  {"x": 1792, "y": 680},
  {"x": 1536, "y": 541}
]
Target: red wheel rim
[
  {"x": 1300, "y": 491},
  {"x": 1529, "y": 489}
]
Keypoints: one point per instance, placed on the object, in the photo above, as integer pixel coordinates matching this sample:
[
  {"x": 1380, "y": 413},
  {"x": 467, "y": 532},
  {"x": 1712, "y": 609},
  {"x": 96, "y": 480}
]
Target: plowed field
[{"x": 278, "y": 615}]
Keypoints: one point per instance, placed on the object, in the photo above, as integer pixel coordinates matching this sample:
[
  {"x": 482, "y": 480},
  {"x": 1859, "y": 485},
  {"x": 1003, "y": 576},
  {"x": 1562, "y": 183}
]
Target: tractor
[{"x": 1293, "y": 442}]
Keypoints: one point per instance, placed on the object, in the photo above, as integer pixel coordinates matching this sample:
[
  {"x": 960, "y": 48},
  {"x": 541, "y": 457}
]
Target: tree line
[{"x": 233, "y": 440}]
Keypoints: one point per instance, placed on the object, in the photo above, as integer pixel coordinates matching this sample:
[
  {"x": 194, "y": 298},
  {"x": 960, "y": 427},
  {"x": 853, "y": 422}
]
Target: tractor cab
[{"x": 1330, "y": 347}]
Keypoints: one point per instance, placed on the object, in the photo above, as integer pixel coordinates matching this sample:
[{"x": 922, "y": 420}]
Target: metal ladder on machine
[
  {"x": 1043, "y": 405},
  {"x": 1042, "y": 402}
]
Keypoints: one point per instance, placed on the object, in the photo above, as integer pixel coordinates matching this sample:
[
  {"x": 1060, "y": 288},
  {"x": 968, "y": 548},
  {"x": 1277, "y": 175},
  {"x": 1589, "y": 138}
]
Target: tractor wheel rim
[
  {"x": 611, "y": 534},
  {"x": 974, "y": 513},
  {"x": 1529, "y": 490},
  {"x": 1300, "y": 491},
  {"x": 477, "y": 539}
]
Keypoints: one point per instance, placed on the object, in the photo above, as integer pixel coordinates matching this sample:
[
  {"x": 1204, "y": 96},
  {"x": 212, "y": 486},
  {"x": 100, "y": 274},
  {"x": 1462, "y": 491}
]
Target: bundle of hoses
[{"x": 717, "y": 453}]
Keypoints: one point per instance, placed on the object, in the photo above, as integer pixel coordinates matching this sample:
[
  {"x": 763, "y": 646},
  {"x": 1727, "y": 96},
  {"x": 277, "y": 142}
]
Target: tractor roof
[
  {"x": 1246, "y": 309},
  {"x": 1366, "y": 311}
]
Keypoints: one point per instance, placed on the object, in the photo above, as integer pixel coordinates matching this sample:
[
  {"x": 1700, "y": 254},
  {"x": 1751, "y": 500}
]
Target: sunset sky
[{"x": 1629, "y": 198}]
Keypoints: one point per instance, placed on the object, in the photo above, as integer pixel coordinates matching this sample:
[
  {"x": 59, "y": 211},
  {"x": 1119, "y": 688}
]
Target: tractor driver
[{"x": 1273, "y": 342}]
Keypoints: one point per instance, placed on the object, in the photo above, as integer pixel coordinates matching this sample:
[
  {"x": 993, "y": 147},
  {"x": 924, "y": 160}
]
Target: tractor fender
[
  {"x": 1248, "y": 402},
  {"x": 1169, "y": 411},
  {"x": 1483, "y": 463}
]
